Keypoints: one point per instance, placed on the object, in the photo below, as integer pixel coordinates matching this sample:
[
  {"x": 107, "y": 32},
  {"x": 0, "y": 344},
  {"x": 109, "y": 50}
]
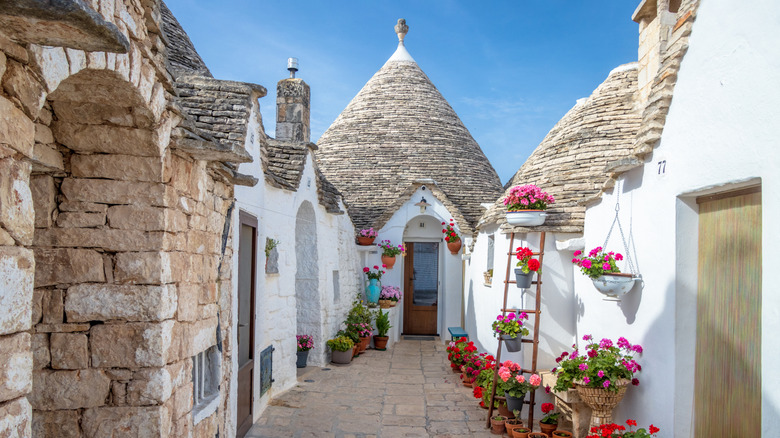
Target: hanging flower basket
[
  {"x": 526, "y": 218},
  {"x": 614, "y": 285},
  {"x": 454, "y": 247},
  {"x": 513, "y": 344}
]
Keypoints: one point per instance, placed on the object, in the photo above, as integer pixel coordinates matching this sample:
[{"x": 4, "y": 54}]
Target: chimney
[
  {"x": 656, "y": 19},
  {"x": 292, "y": 107}
]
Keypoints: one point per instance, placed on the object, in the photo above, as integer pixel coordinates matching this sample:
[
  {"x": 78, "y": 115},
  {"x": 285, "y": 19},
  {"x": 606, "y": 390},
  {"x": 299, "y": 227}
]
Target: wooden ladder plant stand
[{"x": 536, "y": 311}]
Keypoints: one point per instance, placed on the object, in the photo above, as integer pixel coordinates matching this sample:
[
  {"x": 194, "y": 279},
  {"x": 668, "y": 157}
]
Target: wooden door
[
  {"x": 247, "y": 272},
  {"x": 728, "y": 319},
  {"x": 421, "y": 288}
]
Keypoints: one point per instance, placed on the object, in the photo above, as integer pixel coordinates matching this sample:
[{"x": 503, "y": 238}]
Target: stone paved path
[{"x": 408, "y": 391}]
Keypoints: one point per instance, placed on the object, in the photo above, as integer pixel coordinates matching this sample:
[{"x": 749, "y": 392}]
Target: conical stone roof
[{"x": 397, "y": 130}]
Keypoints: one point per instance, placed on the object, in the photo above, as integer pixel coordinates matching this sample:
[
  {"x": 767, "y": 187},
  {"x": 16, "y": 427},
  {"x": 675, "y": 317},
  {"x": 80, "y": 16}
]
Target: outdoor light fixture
[{"x": 423, "y": 205}]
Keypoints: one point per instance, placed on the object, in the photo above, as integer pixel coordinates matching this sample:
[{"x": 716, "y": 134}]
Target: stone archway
[
  {"x": 307, "y": 294},
  {"x": 102, "y": 303}
]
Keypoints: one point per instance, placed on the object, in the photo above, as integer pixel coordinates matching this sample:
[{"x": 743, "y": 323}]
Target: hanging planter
[
  {"x": 525, "y": 205},
  {"x": 514, "y": 403},
  {"x": 526, "y": 218},
  {"x": 389, "y": 251},
  {"x": 614, "y": 285},
  {"x": 365, "y": 241},
  {"x": 366, "y": 236},
  {"x": 513, "y": 344},
  {"x": 523, "y": 280},
  {"x": 454, "y": 247},
  {"x": 451, "y": 237},
  {"x": 388, "y": 261}
]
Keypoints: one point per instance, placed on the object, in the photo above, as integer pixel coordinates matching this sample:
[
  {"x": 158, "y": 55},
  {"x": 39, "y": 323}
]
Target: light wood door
[
  {"x": 421, "y": 288},
  {"x": 728, "y": 319},
  {"x": 247, "y": 273}
]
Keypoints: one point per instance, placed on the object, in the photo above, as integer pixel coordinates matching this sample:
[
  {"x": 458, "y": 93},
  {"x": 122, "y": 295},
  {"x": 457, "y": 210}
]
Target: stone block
[
  {"x": 16, "y": 128},
  {"x": 43, "y": 134},
  {"x": 144, "y": 267},
  {"x": 52, "y": 306},
  {"x": 16, "y": 206},
  {"x": 182, "y": 401},
  {"x": 108, "y": 139},
  {"x": 131, "y": 345},
  {"x": 106, "y": 302},
  {"x": 182, "y": 428},
  {"x": 56, "y": 424},
  {"x": 16, "y": 365},
  {"x": 20, "y": 83},
  {"x": 40, "y": 350},
  {"x": 16, "y": 419},
  {"x": 126, "y": 422},
  {"x": 16, "y": 293},
  {"x": 89, "y": 113},
  {"x": 43, "y": 196},
  {"x": 118, "y": 394},
  {"x": 67, "y": 265},
  {"x": 77, "y": 60},
  {"x": 107, "y": 239},
  {"x": 119, "y": 167},
  {"x": 137, "y": 217},
  {"x": 69, "y": 351},
  {"x": 56, "y": 390},
  {"x": 149, "y": 387},
  {"x": 113, "y": 192},
  {"x": 61, "y": 328},
  {"x": 89, "y": 207},
  {"x": 188, "y": 301},
  {"x": 52, "y": 64},
  {"x": 6, "y": 239},
  {"x": 78, "y": 219}
]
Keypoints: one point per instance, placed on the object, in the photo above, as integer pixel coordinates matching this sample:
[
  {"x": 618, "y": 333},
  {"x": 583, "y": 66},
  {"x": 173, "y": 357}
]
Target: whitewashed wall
[
  {"x": 406, "y": 222},
  {"x": 275, "y": 304},
  {"x": 721, "y": 133}
]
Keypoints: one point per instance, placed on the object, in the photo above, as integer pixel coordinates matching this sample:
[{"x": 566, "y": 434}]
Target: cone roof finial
[{"x": 401, "y": 29}]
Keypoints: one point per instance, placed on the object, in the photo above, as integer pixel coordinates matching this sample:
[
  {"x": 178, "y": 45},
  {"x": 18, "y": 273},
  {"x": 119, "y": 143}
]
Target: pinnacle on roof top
[{"x": 401, "y": 29}]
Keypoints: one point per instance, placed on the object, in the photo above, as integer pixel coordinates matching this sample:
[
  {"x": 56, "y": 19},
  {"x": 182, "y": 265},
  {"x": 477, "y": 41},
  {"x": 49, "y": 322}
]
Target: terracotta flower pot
[
  {"x": 380, "y": 342},
  {"x": 364, "y": 341},
  {"x": 511, "y": 425},
  {"x": 538, "y": 435},
  {"x": 365, "y": 241},
  {"x": 502, "y": 409},
  {"x": 454, "y": 247},
  {"x": 388, "y": 261},
  {"x": 562, "y": 434},
  {"x": 496, "y": 426},
  {"x": 521, "y": 432},
  {"x": 548, "y": 428},
  {"x": 356, "y": 350}
]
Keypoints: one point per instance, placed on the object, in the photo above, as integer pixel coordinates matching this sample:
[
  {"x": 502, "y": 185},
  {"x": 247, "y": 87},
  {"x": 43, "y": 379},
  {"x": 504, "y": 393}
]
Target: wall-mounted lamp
[{"x": 423, "y": 205}]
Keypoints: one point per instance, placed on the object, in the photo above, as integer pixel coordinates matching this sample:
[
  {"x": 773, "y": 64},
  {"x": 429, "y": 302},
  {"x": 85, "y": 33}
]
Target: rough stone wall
[{"x": 110, "y": 243}]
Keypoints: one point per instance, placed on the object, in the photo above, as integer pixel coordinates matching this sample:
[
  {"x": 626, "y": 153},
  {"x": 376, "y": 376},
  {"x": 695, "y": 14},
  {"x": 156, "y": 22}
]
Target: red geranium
[
  {"x": 524, "y": 260},
  {"x": 449, "y": 232},
  {"x": 613, "y": 430}
]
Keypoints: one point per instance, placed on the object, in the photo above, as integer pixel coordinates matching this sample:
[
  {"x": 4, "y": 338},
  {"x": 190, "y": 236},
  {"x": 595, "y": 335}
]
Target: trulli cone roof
[{"x": 399, "y": 130}]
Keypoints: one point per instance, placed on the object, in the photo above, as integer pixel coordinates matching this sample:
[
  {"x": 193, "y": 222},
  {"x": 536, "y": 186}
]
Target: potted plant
[
  {"x": 382, "y": 327},
  {"x": 516, "y": 385},
  {"x": 601, "y": 374},
  {"x": 525, "y": 205},
  {"x": 342, "y": 349},
  {"x": 497, "y": 424},
  {"x": 521, "y": 432},
  {"x": 549, "y": 422},
  {"x": 451, "y": 236},
  {"x": 603, "y": 270},
  {"x": 305, "y": 343},
  {"x": 613, "y": 430},
  {"x": 561, "y": 434},
  {"x": 458, "y": 351},
  {"x": 510, "y": 329},
  {"x": 526, "y": 266},
  {"x": 488, "y": 277},
  {"x": 389, "y": 251},
  {"x": 366, "y": 236},
  {"x": 374, "y": 286},
  {"x": 270, "y": 245},
  {"x": 513, "y": 423},
  {"x": 389, "y": 296},
  {"x": 538, "y": 435}
]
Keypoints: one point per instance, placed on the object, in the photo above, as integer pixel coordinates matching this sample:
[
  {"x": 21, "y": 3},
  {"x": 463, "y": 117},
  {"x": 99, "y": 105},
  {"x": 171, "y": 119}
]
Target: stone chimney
[
  {"x": 293, "y": 108},
  {"x": 656, "y": 19}
]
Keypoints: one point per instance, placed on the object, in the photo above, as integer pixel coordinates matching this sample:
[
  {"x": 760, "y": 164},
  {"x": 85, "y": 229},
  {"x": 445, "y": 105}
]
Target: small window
[
  {"x": 490, "y": 255},
  {"x": 336, "y": 290},
  {"x": 205, "y": 383}
]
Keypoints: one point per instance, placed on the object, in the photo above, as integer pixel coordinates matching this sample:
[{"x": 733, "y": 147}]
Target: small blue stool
[{"x": 457, "y": 332}]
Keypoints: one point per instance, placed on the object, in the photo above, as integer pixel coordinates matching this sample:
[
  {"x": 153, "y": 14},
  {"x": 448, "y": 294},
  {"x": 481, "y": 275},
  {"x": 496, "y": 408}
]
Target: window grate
[
  {"x": 266, "y": 369},
  {"x": 205, "y": 383}
]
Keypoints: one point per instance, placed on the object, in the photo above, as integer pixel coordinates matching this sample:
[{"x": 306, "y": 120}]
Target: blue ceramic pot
[{"x": 372, "y": 290}]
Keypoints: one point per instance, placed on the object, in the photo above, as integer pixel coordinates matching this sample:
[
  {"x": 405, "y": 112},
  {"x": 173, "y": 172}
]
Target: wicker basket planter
[{"x": 601, "y": 401}]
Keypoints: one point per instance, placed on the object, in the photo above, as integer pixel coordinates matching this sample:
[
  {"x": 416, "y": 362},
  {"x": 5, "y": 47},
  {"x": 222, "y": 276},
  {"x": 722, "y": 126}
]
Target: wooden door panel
[
  {"x": 247, "y": 273},
  {"x": 421, "y": 288}
]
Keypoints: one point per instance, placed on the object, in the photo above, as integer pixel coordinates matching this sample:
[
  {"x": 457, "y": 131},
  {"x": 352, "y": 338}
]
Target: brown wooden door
[
  {"x": 421, "y": 288},
  {"x": 247, "y": 272},
  {"x": 728, "y": 316}
]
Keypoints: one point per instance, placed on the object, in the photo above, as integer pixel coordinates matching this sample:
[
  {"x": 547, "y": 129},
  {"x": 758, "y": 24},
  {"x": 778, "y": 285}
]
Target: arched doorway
[
  {"x": 307, "y": 295},
  {"x": 423, "y": 272}
]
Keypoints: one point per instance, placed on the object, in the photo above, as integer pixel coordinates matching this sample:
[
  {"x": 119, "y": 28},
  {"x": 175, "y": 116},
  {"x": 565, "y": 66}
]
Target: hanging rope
[{"x": 627, "y": 250}]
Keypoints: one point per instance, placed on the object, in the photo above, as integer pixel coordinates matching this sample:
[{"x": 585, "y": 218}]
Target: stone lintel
[
  {"x": 61, "y": 23},
  {"x": 210, "y": 151}
]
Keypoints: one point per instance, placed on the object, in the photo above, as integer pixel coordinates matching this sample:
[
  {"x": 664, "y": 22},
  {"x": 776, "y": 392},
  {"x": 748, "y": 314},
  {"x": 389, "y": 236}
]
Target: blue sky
[{"x": 510, "y": 69}]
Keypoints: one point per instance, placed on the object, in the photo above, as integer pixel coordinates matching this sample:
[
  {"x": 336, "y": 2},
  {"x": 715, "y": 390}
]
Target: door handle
[{"x": 243, "y": 325}]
